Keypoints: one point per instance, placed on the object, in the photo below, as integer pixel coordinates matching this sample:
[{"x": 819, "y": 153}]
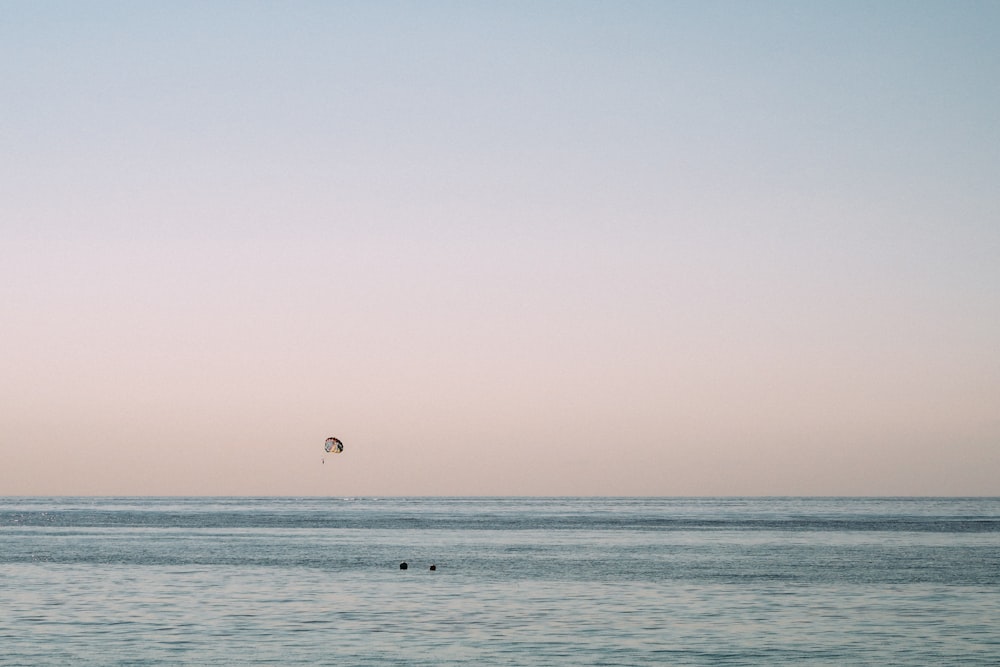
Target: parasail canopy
[{"x": 333, "y": 445}]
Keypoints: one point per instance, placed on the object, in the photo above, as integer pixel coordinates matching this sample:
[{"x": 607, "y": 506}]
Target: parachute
[{"x": 333, "y": 445}]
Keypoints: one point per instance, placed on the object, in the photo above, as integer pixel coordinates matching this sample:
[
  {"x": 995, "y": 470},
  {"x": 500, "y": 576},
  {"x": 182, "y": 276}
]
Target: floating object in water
[
  {"x": 403, "y": 565},
  {"x": 434, "y": 568}
]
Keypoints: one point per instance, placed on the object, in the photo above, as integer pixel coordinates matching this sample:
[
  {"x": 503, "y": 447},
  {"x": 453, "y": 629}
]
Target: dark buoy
[
  {"x": 434, "y": 568},
  {"x": 403, "y": 565}
]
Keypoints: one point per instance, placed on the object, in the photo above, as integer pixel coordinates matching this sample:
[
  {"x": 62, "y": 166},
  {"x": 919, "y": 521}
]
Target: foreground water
[{"x": 522, "y": 581}]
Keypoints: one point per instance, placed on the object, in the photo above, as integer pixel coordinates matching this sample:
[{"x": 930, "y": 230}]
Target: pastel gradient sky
[{"x": 511, "y": 248}]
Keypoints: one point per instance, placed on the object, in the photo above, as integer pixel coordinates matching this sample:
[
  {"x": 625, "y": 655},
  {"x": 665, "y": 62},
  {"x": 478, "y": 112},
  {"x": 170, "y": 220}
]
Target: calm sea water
[{"x": 519, "y": 581}]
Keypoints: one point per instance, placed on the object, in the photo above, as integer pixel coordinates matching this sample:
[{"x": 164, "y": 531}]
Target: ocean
[{"x": 517, "y": 581}]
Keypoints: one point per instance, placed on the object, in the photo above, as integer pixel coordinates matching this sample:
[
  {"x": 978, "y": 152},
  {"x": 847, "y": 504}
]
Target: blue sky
[{"x": 515, "y": 248}]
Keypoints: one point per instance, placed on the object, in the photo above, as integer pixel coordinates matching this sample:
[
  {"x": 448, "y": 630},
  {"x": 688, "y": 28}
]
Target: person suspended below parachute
[{"x": 332, "y": 446}]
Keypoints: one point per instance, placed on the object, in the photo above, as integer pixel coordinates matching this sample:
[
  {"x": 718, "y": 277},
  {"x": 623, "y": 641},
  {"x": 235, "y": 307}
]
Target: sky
[{"x": 513, "y": 248}]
